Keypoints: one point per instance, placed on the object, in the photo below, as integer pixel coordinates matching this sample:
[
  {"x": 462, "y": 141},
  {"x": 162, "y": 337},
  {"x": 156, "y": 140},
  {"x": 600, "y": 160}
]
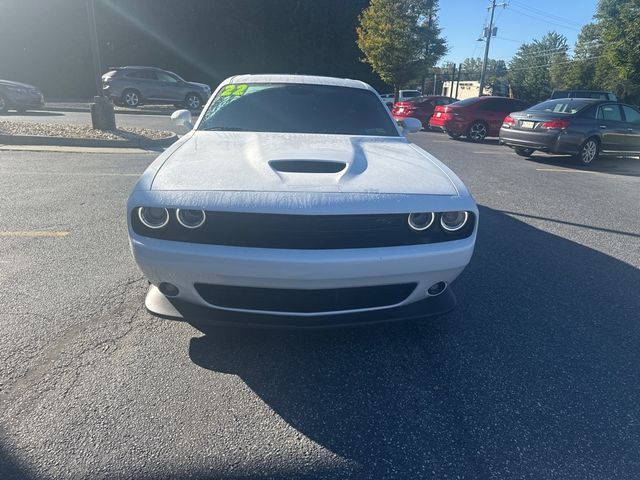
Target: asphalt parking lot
[{"x": 534, "y": 376}]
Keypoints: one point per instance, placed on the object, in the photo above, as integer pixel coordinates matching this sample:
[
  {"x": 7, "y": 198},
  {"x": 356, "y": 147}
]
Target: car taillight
[
  {"x": 556, "y": 124},
  {"x": 508, "y": 120}
]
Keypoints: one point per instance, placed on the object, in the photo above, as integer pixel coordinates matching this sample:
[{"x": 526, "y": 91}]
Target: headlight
[
  {"x": 153, "y": 217},
  {"x": 421, "y": 221},
  {"x": 190, "y": 218},
  {"x": 453, "y": 221}
]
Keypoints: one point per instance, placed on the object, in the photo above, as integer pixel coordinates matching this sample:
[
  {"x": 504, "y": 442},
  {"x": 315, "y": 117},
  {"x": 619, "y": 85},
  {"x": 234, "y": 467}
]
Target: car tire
[
  {"x": 477, "y": 131},
  {"x": 589, "y": 151},
  {"x": 131, "y": 98},
  {"x": 524, "y": 152},
  {"x": 193, "y": 101},
  {"x": 4, "y": 104}
]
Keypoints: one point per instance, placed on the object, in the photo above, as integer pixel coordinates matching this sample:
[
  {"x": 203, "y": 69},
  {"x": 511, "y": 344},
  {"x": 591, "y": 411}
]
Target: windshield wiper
[{"x": 226, "y": 129}]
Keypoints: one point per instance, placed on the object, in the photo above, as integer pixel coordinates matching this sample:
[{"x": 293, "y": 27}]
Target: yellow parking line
[{"x": 35, "y": 233}]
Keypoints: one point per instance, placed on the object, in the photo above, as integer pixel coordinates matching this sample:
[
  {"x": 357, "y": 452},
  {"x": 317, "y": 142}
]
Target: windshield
[
  {"x": 410, "y": 93},
  {"x": 297, "y": 108},
  {"x": 565, "y": 106}
]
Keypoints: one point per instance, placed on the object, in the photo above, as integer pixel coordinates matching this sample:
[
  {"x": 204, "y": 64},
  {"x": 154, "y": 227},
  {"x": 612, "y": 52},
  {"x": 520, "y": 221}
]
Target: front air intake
[{"x": 307, "y": 166}]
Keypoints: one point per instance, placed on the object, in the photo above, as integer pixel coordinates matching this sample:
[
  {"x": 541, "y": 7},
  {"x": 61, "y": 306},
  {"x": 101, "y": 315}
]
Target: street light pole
[
  {"x": 487, "y": 42},
  {"x": 102, "y": 115}
]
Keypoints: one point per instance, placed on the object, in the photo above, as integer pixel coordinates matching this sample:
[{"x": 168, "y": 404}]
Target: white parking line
[
  {"x": 74, "y": 174},
  {"x": 566, "y": 170},
  {"x": 35, "y": 233}
]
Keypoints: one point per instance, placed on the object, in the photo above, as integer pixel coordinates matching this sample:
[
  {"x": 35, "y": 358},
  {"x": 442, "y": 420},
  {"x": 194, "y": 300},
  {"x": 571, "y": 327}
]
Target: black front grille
[
  {"x": 312, "y": 232},
  {"x": 304, "y": 301}
]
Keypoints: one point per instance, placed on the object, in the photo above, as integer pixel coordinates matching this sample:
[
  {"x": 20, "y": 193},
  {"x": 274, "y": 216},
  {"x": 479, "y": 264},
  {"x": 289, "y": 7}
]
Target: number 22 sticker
[{"x": 234, "y": 90}]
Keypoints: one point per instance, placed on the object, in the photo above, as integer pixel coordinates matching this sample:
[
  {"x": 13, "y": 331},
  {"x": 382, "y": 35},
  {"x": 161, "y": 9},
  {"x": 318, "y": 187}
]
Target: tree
[
  {"x": 472, "y": 67},
  {"x": 536, "y": 68},
  {"x": 582, "y": 71},
  {"x": 618, "y": 33},
  {"x": 400, "y": 39}
]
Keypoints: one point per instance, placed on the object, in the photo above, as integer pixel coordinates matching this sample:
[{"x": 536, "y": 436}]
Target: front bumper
[{"x": 185, "y": 265}]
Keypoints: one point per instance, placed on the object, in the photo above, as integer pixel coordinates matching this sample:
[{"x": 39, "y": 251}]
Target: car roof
[{"x": 299, "y": 79}]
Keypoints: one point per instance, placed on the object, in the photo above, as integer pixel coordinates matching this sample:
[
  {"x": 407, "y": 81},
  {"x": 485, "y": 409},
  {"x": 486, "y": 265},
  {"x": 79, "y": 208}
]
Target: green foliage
[
  {"x": 472, "y": 67},
  {"x": 400, "y": 39},
  {"x": 607, "y": 52},
  {"x": 538, "y": 67},
  {"x": 618, "y": 31}
]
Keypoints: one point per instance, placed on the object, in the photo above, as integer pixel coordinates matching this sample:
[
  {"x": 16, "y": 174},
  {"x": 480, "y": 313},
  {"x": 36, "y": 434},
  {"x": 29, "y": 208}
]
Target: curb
[{"x": 86, "y": 142}]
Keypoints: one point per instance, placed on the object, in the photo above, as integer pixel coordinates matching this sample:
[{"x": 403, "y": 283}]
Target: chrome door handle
[
  {"x": 603, "y": 127},
  {"x": 629, "y": 129}
]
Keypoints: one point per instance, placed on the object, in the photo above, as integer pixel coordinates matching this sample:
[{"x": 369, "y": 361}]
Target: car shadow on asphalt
[
  {"x": 535, "y": 374},
  {"x": 625, "y": 166}
]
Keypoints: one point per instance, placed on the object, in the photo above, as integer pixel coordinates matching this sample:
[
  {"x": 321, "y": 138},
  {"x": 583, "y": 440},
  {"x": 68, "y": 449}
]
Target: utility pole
[
  {"x": 487, "y": 35},
  {"x": 102, "y": 115}
]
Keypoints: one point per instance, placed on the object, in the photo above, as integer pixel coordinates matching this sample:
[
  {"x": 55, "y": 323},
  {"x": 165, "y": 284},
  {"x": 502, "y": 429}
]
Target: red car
[
  {"x": 475, "y": 118},
  {"x": 420, "y": 107}
]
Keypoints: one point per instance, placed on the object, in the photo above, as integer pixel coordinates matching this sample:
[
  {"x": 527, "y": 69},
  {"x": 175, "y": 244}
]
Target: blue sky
[{"x": 521, "y": 21}]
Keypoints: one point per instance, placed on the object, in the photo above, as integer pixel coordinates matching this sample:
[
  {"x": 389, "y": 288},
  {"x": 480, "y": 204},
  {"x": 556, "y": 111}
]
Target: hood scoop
[{"x": 307, "y": 166}]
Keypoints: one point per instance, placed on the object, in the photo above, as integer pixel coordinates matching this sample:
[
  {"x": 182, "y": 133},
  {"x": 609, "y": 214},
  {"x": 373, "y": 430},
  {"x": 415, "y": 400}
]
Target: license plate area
[{"x": 527, "y": 124}]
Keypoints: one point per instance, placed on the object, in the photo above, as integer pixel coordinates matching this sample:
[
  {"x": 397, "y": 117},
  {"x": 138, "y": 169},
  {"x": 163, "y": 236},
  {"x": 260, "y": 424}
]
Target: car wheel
[
  {"x": 589, "y": 151},
  {"x": 4, "y": 105},
  {"x": 524, "y": 152},
  {"x": 131, "y": 98},
  {"x": 477, "y": 132},
  {"x": 193, "y": 101}
]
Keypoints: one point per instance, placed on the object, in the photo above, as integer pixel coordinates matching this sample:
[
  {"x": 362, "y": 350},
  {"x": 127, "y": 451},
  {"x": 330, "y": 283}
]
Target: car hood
[
  {"x": 278, "y": 162},
  {"x": 9, "y": 83}
]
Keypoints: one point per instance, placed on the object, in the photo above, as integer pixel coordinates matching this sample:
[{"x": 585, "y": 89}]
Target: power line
[
  {"x": 544, "y": 20},
  {"x": 545, "y": 13},
  {"x": 555, "y": 63}
]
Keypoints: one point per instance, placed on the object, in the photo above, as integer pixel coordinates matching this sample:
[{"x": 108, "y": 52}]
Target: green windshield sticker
[{"x": 235, "y": 90}]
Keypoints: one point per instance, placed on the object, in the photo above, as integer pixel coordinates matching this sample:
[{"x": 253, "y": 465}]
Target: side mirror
[
  {"x": 409, "y": 125},
  {"x": 182, "y": 118}
]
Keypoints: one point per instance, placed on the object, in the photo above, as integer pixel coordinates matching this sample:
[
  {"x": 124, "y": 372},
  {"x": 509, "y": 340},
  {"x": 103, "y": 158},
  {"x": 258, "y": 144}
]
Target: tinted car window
[
  {"x": 609, "y": 112},
  {"x": 467, "y": 102},
  {"x": 298, "y": 109},
  {"x": 410, "y": 94},
  {"x": 631, "y": 114},
  {"x": 143, "y": 74},
  {"x": 165, "y": 77},
  {"x": 589, "y": 112},
  {"x": 565, "y": 105}
]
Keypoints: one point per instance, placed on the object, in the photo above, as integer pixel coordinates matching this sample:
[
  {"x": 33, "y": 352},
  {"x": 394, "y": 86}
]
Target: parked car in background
[
  {"x": 404, "y": 95},
  {"x": 19, "y": 96},
  {"x": 597, "y": 94},
  {"x": 581, "y": 127},
  {"x": 420, "y": 107},
  {"x": 476, "y": 118},
  {"x": 388, "y": 99},
  {"x": 135, "y": 86}
]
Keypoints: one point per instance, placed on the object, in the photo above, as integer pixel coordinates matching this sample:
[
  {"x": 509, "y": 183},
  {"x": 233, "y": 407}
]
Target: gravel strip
[{"x": 79, "y": 131}]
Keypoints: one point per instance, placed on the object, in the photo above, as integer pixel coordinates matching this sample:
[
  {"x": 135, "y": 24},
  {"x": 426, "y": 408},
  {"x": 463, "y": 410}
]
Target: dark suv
[{"x": 134, "y": 86}]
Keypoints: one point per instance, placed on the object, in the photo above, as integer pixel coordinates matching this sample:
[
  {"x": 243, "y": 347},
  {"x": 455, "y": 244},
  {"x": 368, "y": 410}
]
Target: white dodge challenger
[{"x": 298, "y": 201}]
